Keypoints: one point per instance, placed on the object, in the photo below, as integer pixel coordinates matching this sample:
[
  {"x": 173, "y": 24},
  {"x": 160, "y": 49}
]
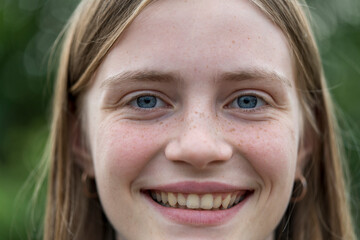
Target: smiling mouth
[{"x": 206, "y": 201}]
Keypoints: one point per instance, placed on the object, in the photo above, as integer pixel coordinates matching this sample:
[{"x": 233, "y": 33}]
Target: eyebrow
[
  {"x": 256, "y": 73},
  {"x": 140, "y": 76},
  {"x": 159, "y": 76}
]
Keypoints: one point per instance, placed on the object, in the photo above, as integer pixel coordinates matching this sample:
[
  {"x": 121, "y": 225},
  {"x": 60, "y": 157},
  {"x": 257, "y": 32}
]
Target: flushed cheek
[
  {"x": 271, "y": 148},
  {"x": 123, "y": 150}
]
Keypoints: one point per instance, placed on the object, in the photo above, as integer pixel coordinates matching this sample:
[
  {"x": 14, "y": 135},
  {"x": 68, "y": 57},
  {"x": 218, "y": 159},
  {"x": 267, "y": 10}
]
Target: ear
[
  {"x": 79, "y": 147},
  {"x": 306, "y": 145}
]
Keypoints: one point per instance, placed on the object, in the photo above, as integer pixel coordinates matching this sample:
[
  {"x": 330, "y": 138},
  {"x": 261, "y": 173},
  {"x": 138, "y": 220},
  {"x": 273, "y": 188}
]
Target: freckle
[
  {"x": 241, "y": 143},
  {"x": 248, "y": 38},
  {"x": 207, "y": 66},
  {"x": 231, "y": 130},
  {"x": 196, "y": 112},
  {"x": 233, "y": 41},
  {"x": 160, "y": 123}
]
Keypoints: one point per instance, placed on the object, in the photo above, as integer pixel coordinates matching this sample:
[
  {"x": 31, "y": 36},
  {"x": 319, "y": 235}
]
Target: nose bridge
[
  {"x": 199, "y": 127},
  {"x": 199, "y": 141}
]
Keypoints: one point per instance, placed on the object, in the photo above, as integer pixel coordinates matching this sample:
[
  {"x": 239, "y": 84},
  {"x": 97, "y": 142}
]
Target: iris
[
  {"x": 247, "y": 101},
  {"x": 146, "y": 101}
]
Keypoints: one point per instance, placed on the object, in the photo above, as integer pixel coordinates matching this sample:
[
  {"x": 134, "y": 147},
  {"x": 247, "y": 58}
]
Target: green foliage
[
  {"x": 29, "y": 27},
  {"x": 336, "y": 25}
]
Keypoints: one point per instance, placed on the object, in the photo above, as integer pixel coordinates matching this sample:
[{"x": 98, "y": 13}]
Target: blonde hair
[{"x": 89, "y": 35}]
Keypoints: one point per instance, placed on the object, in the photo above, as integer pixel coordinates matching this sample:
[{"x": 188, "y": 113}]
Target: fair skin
[{"x": 197, "y": 97}]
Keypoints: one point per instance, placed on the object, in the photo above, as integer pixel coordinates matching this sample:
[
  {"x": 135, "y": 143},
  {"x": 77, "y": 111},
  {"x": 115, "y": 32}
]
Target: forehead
[{"x": 200, "y": 36}]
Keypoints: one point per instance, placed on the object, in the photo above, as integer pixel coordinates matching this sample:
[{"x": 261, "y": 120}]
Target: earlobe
[{"x": 79, "y": 149}]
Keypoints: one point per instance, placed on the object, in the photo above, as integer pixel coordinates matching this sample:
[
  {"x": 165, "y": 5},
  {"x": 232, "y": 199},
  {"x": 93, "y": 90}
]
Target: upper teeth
[{"x": 198, "y": 201}]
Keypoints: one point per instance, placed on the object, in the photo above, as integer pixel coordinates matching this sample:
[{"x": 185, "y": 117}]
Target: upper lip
[{"x": 198, "y": 187}]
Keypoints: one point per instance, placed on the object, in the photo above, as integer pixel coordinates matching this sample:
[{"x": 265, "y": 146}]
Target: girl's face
[{"x": 193, "y": 124}]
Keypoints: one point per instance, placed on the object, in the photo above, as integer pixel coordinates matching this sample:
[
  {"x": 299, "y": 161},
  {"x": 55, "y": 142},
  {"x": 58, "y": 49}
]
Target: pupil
[
  {"x": 247, "y": 102},
  {"x": 146, "y": 101}
]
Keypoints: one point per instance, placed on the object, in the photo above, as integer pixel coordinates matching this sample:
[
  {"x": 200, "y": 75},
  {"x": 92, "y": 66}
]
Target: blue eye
[
  {"x": 247, "y": 102},
  {"x": 146, "y": 101}
]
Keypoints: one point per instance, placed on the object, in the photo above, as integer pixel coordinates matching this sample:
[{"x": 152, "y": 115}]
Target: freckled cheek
[
  {"x": 124, "y": 150},
  {"x": 271, "y": 150}
]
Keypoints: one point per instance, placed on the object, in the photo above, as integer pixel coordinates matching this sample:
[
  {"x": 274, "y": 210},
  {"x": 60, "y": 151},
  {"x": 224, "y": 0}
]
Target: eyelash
[
  {"x": 137, "y": 108},
  {"x": 132, "y": 102},
  {"x": 265, "y": 102}
]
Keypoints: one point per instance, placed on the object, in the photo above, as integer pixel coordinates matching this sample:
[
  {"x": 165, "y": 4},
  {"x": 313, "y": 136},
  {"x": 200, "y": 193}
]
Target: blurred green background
[{"x": 29, "y": 27}]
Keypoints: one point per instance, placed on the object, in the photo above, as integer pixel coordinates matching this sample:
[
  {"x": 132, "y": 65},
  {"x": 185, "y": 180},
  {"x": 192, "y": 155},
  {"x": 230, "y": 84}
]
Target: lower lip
[{"x": 197, "y": 217}]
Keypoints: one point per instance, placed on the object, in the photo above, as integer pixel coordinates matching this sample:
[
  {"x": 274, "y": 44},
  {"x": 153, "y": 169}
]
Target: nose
[{"x": 198, "y": 143}]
